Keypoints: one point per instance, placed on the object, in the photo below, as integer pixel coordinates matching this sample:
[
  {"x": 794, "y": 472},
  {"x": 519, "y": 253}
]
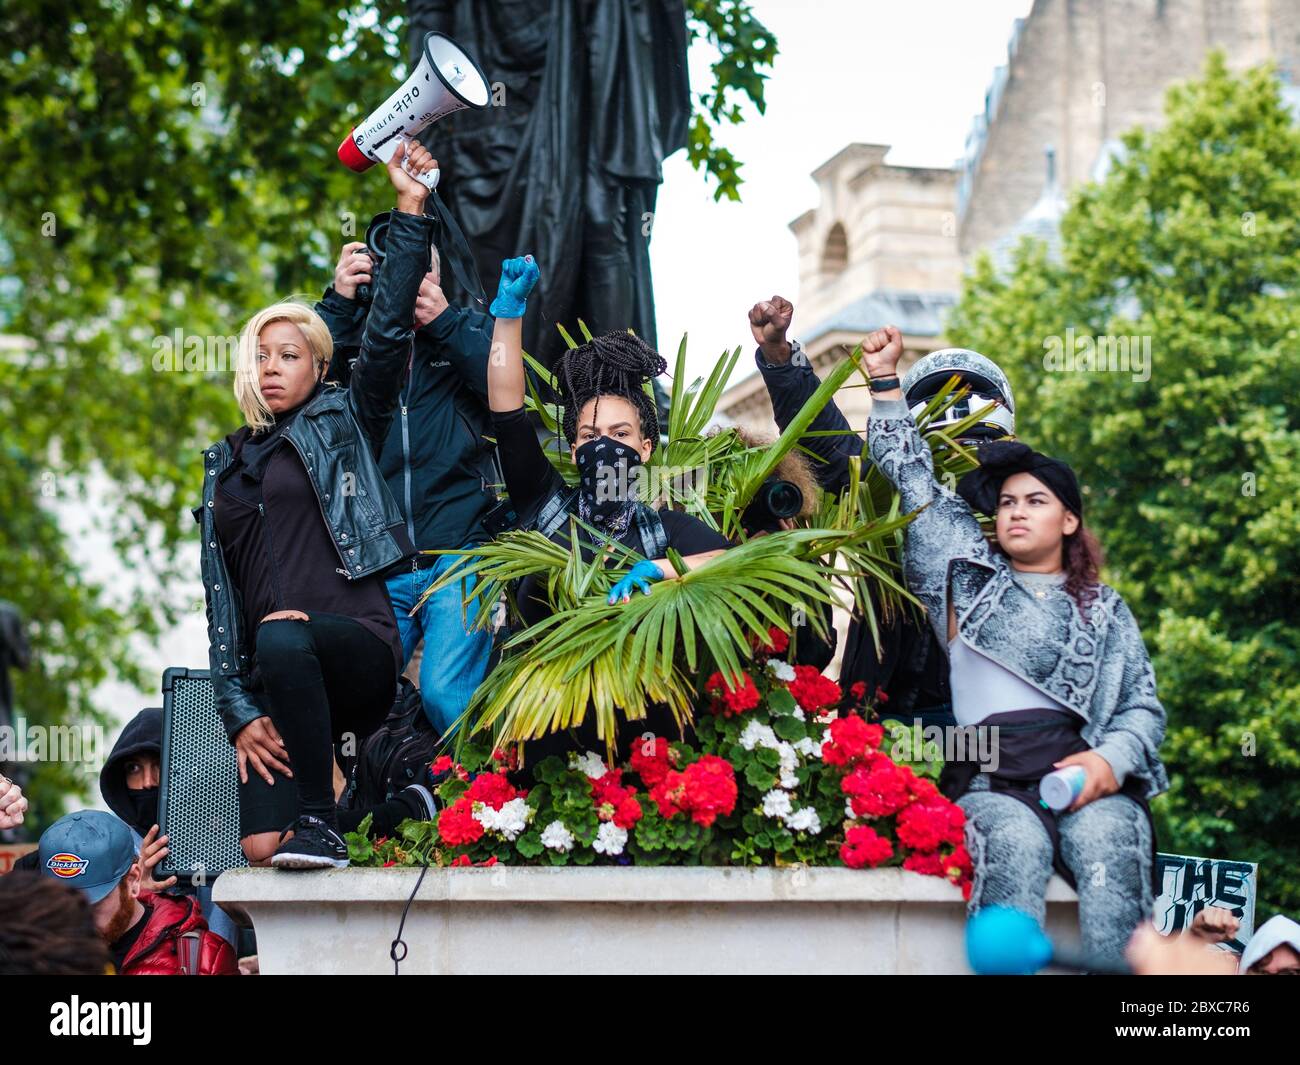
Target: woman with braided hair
[{"x": 611, "y": 427}]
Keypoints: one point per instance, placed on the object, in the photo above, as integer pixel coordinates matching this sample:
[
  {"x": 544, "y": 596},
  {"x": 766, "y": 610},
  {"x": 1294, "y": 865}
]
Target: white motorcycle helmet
[{"x": 987, "y": 383}]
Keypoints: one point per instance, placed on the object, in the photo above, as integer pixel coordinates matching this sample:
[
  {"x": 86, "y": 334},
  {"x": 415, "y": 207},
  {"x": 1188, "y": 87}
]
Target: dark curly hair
[{"x": 613, "y": 364}]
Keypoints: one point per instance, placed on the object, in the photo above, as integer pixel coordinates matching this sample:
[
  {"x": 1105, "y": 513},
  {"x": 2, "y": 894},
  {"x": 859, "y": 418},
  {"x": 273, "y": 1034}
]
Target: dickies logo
[{"x": 67, "y": 865}]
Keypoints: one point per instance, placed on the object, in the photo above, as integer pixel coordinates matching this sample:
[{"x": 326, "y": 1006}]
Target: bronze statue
[{"x": 589, "y": 98}]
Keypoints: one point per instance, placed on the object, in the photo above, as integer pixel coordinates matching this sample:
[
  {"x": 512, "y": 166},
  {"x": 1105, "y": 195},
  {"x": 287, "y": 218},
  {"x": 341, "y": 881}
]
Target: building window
[{"x": 835, "y": 255}]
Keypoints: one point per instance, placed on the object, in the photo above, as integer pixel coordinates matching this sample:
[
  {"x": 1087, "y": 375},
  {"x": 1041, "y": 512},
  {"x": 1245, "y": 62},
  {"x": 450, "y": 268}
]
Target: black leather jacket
[{"x": 337, "y": 435}]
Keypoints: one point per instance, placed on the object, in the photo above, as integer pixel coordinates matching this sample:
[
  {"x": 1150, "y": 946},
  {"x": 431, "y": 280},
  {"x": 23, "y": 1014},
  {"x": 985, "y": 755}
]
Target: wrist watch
[{"x": 797, "y": 357}]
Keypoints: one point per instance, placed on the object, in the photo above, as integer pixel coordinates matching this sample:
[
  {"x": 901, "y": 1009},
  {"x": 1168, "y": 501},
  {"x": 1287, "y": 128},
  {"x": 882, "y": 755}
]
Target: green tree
[
  {"x": 169, "y": 166},
  {"x": 1191, "y": 465}
]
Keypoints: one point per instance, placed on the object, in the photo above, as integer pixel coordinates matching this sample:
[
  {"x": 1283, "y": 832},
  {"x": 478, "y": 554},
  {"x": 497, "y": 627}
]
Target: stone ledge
[{"x": 611, "y": 919}]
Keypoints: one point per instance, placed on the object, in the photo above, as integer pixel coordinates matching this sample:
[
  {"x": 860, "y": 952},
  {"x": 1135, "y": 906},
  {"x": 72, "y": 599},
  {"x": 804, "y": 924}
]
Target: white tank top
[{"x": 982, "y": 687}]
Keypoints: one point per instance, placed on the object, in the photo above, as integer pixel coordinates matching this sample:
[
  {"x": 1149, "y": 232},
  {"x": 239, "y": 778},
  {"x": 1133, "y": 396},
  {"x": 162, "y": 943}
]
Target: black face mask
[
  {"x": 144, "y": 808},
  {"x": 605, "y": 476}
]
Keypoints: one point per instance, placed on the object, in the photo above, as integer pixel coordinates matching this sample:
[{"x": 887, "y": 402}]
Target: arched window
[{"x": 835, "y": 255}]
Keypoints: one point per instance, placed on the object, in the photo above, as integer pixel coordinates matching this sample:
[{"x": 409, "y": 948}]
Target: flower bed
[{"x": 783, "y": 769}]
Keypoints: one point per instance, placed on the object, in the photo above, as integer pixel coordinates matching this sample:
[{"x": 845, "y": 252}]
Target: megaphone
[{"x": 445, "y": 80}]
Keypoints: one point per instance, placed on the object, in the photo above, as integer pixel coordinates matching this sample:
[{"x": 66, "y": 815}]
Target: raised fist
[
  {"x": 518, "y": 276},
  {"x": 882, "y": 349},
  {"x": 769, "y": 320}
]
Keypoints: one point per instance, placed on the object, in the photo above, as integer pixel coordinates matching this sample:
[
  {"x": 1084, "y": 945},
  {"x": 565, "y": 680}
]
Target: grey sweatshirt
[{"x": 1098, "y": 668}]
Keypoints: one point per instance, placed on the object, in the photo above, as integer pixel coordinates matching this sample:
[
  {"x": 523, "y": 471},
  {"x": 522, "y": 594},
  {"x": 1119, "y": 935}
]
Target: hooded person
[
  {"x": 129, "y": 780},
  {"x": 1273, "y": 949},
  {"x": 130, "y": 783}
]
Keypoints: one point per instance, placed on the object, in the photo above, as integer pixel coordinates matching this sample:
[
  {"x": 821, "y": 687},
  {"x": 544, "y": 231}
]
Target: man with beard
[{"x": 147, "y": 934}]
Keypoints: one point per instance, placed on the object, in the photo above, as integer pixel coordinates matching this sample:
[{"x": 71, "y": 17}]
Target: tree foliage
[
  {"x": 1191, "y": 475},
  {"x": 170, "y": 167}
]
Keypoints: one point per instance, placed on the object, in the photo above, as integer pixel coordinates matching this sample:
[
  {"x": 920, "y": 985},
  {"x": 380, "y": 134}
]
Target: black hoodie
[{"x": 143, "y": 733}]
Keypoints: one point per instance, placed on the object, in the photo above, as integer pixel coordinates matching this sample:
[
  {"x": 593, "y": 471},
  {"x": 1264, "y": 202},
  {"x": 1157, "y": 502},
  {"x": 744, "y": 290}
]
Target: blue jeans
[{"x": 455, "y": 659}]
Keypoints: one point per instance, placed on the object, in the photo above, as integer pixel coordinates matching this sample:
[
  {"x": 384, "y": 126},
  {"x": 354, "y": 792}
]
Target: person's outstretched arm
[
  {"x": 791, "y": 382},
  {"x": 376, "y": 382},
  {"x": 945, "y": 528},
  {"x": 529, "y": 476}
]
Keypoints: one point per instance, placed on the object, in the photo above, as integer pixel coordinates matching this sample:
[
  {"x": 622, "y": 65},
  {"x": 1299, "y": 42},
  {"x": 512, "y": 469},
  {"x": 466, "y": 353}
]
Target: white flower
[
  {"x": 557, "y": 837},
  {"x": 789, "y": 763},
  {"x": 776, "y": 803},
  {"x": 508, "y": 821},
  {"x": 808, "y": 748},
  {"x": 590, "y": 763},
  {"x": 848, "y": 809},
  {"x": 756, "y": 734},
  {"x": 805, "y": 820},
  {"x": 610, "y": 839},
  {"x": 826, "y": 717},
  {"x": 781, "y": 670},
  {"x": 797, "y": 712}
]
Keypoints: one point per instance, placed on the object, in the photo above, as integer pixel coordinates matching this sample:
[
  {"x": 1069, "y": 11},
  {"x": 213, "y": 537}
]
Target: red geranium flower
[
  {"x": 491, "y": 789},
  {"x": 848, "y": 739},
  {"x": 669, "y": 795},
  {"x": 859, "y": 691},
  {"x": 863, "y": 846},
  {"x": 957, "y": 866},
  {"x": 925, "y": 825},
  {"x": 777, "y": 642},
  {"x": 710, "y": 789},
  {"x": 705, "y": 790},
  {"x": 733, "y": 700},
  {"x": 811, "y": 690},
  {"x": 927, "y": 862},
  {"x": 876, "y": 788},
  {"x": 456, "y": 824},
  {"x": 440, "y": 764},
  {"x": 651, "y": 760}
]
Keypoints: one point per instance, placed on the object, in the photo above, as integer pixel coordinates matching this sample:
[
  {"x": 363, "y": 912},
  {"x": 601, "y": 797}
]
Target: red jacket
[{"x": 155, "y": 952}]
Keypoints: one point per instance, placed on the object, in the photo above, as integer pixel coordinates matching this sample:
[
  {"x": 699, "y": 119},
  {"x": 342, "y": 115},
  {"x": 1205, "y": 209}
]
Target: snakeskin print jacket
[{"x": 1099, "y": 667}]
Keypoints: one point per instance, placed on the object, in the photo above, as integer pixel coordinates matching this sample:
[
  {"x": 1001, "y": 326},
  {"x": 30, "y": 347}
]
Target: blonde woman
[{"x": 298, "y": 528}]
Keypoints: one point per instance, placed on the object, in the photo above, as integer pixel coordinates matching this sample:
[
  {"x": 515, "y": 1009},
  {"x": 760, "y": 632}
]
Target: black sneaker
[
  {"x": 314, "y": 846},
  {"x": 420, "y": 801}
]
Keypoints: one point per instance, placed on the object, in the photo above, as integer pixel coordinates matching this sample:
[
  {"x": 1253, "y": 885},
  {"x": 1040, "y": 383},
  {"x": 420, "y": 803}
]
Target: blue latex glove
[
  {"x": 518, "y": 276},
  {"x": 639, "y": 576}
]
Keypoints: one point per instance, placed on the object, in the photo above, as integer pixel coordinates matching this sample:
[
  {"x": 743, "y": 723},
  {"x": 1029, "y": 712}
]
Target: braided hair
[{"x": 613, "y": 364}]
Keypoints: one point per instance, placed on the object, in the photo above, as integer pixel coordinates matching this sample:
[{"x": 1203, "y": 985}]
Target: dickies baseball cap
[{"x": 91, "y": 850}]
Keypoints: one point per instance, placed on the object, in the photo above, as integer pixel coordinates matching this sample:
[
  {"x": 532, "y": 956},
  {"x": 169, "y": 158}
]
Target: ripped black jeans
[{"x": 326, "y": 680}]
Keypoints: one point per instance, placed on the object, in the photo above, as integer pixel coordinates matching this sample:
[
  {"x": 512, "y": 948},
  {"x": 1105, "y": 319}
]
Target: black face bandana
[
  {"x": 1000, "y": 459},
  {"x": 144, "y": 808},
  {"x": 605, "y": 477}
]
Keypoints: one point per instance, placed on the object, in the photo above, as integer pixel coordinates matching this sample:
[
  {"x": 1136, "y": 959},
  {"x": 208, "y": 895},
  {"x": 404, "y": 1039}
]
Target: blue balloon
[{"x": 1005, "y": 942}]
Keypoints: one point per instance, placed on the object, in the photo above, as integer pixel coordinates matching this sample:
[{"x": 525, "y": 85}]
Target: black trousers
[{"x": 328, "y": 681}]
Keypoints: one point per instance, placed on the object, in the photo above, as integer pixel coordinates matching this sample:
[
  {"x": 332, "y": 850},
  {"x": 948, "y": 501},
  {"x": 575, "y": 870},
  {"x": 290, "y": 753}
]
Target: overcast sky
[{"x": 911, "y": 75}]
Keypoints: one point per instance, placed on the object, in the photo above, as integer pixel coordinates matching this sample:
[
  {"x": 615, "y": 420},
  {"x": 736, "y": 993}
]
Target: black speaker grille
[{"x": 200, "y": 786}]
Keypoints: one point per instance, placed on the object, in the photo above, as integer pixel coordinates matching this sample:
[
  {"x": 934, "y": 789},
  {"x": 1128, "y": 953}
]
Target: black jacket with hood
[{"x": 142, "y": 735}]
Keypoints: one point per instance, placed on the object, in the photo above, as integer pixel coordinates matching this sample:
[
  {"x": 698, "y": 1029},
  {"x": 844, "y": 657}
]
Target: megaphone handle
[{"x": 429, "y": 180}]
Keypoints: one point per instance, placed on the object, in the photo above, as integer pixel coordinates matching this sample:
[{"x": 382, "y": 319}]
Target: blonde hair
[{"x": 248, "y": 390}]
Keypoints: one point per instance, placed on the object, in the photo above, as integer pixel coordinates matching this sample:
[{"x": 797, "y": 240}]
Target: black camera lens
[
  {"x": 376, "y": 248},
  {"x": 774, "y": 501},
  {"x": 783, "y": 498}
]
